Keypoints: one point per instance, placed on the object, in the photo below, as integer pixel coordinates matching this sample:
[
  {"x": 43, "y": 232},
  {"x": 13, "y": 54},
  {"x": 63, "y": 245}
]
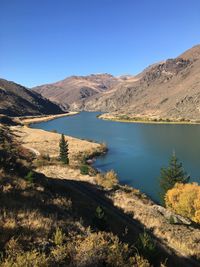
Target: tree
[
  {"x": 184, "y": 199},
  {"x": 171, "y": 175},
  {"x": 64, "y": 151},
  {"x": 100, "y": 220}
]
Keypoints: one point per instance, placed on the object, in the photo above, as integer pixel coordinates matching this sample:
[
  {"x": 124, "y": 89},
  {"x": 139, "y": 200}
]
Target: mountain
[
  {"x": 16, "y": 100},
  {"x": 75, "y": 90},
  {"x": 169, "y": 89}
]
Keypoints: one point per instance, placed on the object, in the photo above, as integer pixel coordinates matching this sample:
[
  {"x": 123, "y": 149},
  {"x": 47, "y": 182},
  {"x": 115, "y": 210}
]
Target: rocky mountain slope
[
  {"x": 16, "y": 100},
  {"x": 76, "y": 89},
  {"x": 169, "y": 89}
]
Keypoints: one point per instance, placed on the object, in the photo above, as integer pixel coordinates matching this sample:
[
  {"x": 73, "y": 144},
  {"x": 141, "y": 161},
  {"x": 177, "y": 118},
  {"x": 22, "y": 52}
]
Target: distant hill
[
  {"x": 170, "y": 89},
  {"x": 16, "y": 100},
  {"x": 77, "y": 89}
]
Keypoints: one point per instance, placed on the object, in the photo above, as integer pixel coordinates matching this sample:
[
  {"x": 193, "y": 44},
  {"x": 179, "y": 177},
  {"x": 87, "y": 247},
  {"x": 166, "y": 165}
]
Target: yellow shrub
[
  {"x": 107, "y": 180},
  {"x": 184, "y": 199}
]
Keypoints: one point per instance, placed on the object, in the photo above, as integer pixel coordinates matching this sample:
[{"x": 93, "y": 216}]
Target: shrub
[
  {"x": 60, "y": 255},
  {"x": 146, "y": 245},
  {"x": 111, "y": 178},
  {"x": 100, "y": 220},
  {"x": 108, "y": 180},
  {"x": 29, "y": 177},
  {"x": 104, "y": 249},
  {"x": 29, "y": 258},
  {"x": 184, "y": 199},
  {"x": 58, "y": 237},
  {"x": 84, "y": 169}
]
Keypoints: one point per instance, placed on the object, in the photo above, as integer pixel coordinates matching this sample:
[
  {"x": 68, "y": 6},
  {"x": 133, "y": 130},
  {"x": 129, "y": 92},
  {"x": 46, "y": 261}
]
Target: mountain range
[
  {"x": 168, "y": 89},
  {"x": 76, "y": 90}
]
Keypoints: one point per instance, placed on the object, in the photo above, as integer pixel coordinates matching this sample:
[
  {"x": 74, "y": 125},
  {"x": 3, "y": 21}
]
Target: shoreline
[
  {"x": 145, "y": 121},
  {"x": 27, "y": 120}
]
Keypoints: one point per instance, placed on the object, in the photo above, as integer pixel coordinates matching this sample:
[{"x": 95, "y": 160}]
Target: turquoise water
[{"x": 136, "y": 151}]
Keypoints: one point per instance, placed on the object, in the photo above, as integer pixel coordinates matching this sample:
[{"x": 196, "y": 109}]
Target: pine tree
[
  {"x": 171, "y": 175},
  {"x": 64, "y": 151}
]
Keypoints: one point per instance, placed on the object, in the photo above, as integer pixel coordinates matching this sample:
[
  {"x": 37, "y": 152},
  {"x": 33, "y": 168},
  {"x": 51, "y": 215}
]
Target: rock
[{"x": 171, "y": 216}]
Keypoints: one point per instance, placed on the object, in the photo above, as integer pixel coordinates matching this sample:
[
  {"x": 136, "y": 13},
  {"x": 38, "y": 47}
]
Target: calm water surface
[{"x": 136, "y": 151}]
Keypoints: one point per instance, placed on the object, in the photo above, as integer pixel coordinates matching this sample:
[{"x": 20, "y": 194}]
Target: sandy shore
[
  {"x": 28, "y": 120},
  {"x": 111, "y": 117}
]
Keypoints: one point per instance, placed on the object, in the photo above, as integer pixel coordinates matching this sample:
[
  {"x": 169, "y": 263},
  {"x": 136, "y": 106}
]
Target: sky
[{"x": 43, "y": 41}]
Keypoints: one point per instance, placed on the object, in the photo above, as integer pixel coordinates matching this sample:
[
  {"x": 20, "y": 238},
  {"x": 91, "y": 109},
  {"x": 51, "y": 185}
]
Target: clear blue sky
[{"x": 43, "y": 41}]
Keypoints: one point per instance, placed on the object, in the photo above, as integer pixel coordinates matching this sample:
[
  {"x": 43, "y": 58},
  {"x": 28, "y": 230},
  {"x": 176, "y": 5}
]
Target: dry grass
[
  {"x": 41, "y": 142},
  {"x": 183, "y": 238},
  {"x": 65, "y": 172},
  {"x": 39, "y": 227}
]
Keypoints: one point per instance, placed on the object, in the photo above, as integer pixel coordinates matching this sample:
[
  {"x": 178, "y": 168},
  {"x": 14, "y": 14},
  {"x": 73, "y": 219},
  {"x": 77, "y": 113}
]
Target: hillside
[
  {"x": 77, "y": 89},
  {"x": 16, "y": 100},
  {"x": 169, "y": 89}
]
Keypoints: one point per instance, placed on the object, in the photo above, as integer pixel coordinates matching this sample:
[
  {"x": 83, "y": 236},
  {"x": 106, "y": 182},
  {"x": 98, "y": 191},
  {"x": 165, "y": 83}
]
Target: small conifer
[
  {"x": 64, "y": 151},
  {"x": 171, "y": 175}
]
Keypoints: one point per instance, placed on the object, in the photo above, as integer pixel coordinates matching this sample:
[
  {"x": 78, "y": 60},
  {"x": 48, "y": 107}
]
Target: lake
[{"x": 136, "y": 151}]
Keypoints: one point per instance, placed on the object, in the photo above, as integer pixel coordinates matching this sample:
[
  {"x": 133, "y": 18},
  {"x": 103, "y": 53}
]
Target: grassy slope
[{"x": 47, "y": 220}]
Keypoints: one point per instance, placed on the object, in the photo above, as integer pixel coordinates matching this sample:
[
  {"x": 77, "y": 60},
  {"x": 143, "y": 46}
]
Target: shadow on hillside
[{"x": 85, "y": 198}]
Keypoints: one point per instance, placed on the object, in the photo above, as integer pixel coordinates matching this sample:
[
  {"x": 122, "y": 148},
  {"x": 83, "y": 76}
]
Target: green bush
[
  {"x": 84, "y": 169},
  {"x": 29, "y": 177}
]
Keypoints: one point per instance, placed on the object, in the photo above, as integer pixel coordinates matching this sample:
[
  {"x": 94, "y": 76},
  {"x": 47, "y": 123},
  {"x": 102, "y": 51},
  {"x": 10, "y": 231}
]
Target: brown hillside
[
  {"x": 16, "y": 100},
  {"x": 77, "y": 88},
  {"x": 170, "y": 89}
]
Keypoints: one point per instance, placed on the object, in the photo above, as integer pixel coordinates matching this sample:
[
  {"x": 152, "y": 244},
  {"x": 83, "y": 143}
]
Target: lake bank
[
  {"x": 145, "y": 120},
  {"x": 27, "y": 120},
  {"x": 45, "y": 144}
]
